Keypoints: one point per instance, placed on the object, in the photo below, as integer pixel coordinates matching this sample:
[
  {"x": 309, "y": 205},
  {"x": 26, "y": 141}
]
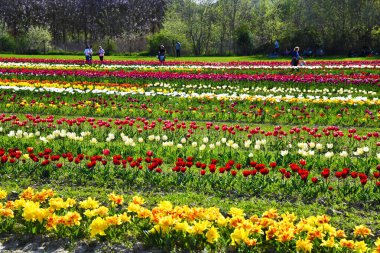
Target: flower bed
[
  {"x": 236, "y": 131},
  {"x": 168, "y": 226}
]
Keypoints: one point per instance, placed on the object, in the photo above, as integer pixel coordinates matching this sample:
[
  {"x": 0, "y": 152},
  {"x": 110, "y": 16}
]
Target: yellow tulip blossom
[
  {"x": 329, "y": 243},
  {"x": 116, "y": 199},
  {"x": 33, "y": 212},
  {"x": 98, "y": 226},
  {"x": 138, "y": 200},
  {"x": 238, "y": 236},
  {"x": 181, "y": 226},
  {"x": 362, "y": 231},
  {"x": 3, "y": 194},
  {"x": 89, "y": 203},
  {"x": 304, "y": 245},
  {"x": 236, "y": 211},
  {"x": 377, "y": 246},
  {"x": 212, "y": 235},
  {"x": 350, "y": 244},
  {"x": 125, "y": 217},
  {"x": 6, "y": 212},
  {"x": 360, "y": 247},
  {"x": 113, "y": 220}
]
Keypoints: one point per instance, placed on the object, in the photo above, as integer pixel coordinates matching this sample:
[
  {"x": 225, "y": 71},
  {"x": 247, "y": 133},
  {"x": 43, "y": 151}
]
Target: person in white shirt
[
  {"x": 87, "y": 54},
  {"x": 101, "y": 53}
]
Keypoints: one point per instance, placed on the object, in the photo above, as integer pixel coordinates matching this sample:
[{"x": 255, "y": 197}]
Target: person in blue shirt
[
  {"x": 178, "y": 49},
  {"x": 276, "y": 47},
  {"x": 295, "y": 57},
  {"x": 87, "y": 53},
  {"x": 161, "y": 54}
]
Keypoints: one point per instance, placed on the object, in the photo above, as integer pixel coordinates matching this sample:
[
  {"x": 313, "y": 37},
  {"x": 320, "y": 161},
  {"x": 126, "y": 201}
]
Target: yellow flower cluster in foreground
[{"x": 208, "y": 226}]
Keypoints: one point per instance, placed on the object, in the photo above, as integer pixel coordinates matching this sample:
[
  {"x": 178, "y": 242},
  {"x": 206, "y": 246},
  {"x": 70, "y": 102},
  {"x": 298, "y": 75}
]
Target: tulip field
[{"x": 189, "y": 156}]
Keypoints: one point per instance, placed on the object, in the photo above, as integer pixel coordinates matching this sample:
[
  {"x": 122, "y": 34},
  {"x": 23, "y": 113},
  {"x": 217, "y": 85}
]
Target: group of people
[
  {"x": 162, "y": 52},
  {"x": 88, "y": 53}
]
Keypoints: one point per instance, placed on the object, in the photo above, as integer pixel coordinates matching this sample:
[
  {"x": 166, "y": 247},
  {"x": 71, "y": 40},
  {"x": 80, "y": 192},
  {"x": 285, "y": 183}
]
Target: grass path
[{"x": 188, "y": 58}]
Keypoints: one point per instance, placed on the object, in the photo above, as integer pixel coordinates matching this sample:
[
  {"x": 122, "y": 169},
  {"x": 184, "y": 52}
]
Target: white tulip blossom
[
  {"x": 284, "y": 152},
  {"x": 205, "y": 140},
  {"x": 44, "y": 140},
  {"x": 359, "y": 151},
  {"x": 247, "y": 143},
  {"x": 235, "y": 146},
  {"x": 167, "y": 144},
  {"x": 229, "y": 143},
  {"x": 303, "y": 146}
]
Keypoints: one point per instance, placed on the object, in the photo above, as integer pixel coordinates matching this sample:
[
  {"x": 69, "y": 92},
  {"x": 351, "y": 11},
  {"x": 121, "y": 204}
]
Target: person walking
[
  {"x": 276, "y": 47},
  {"x": 178, "y": 49},
  {"x": 87, "y": 54},
  {"x": 101, "y": 53},
  {"x": 161, "y": 54},
  {"x": 295, "y": 57},
  {"x": 90, "y": 54}
]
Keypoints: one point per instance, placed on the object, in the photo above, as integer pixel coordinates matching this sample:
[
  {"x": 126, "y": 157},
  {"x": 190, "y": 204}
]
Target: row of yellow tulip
[{"x": 208, "y": 226}]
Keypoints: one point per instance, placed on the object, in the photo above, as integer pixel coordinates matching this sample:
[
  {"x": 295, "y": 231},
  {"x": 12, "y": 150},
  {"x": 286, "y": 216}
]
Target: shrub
[
  {"x": 7, "y": 43},
  {"x": 38, "y": 39},
  {"x": 244, "y": 41}
]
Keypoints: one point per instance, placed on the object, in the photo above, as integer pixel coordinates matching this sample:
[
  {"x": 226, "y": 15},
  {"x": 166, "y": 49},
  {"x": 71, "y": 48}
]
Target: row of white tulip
[
  {"x": 209, "y": 95},
  {"x": 302, "y": 148},
  {"x": 261, "y": 89}
]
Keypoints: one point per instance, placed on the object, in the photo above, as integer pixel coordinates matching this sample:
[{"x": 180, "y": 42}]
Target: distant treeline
[{"x": 212, "y": 27}]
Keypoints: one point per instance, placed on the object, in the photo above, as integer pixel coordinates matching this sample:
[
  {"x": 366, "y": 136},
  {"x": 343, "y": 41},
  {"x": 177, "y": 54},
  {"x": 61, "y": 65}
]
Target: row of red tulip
[
  {"x": 357, "y": 78},
  {"x": 143, "y": 124},
  {"x": 152, "y": 163}
]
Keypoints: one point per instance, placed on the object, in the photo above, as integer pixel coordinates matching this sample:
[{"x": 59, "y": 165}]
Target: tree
[{"x": 39, "y": 39}]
